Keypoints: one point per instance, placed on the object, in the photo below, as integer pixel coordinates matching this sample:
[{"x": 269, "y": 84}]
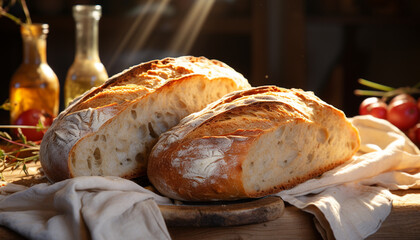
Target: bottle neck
[
  {"x": 87, "y": 39},
  {"x": 34, "y": 38}
]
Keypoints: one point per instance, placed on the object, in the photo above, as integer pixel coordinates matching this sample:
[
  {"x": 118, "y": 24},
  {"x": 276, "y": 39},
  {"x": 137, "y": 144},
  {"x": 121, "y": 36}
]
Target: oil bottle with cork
[{"x": 87, "y": 70}]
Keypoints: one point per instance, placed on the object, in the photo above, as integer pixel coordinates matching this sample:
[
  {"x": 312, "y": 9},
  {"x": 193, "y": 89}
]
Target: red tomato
[
  {"x": 378, "y": 110},
  {"x": 403, "y": 113},
  {"x": 403, "y": 97},
  {"x": 373, "y": 106},
  {"x": 363, "y": 110},
  {"x": 31, "y": 118}
]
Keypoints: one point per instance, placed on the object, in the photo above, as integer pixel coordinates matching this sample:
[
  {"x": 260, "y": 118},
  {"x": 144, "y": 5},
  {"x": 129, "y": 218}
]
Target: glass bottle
[
  {"x": 87, "y": 70},
  {"x": 34, "y": 85}
]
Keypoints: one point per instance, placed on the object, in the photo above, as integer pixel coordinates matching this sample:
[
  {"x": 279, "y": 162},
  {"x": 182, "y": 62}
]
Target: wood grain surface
[
  {"x": 404, "y": 220},
  {"x": 293, "y": 224}
]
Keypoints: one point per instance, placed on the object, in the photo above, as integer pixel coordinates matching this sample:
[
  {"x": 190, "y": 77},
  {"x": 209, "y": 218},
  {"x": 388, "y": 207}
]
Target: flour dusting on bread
[{"x": 203, "y": 159}]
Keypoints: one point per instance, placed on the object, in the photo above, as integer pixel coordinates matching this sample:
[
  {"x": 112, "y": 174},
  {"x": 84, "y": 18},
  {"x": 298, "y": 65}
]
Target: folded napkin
[
  {"x": 352, "y": 200},
  {"x": 348, "y": 202},
  {"x": 84, "y": 208}
]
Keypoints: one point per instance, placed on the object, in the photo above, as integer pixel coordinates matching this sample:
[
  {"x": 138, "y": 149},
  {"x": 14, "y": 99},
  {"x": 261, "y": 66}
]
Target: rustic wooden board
[{"x": 223, "y": 214}]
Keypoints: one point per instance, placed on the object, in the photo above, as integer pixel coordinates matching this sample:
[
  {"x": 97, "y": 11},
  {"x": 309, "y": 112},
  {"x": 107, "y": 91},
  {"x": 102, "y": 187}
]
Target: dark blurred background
[{"x": 318, "y": 45}]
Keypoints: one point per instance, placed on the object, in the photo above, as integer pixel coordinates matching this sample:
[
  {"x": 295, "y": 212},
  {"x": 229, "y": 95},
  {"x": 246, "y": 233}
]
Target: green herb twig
[
  {"x": 7, "y": 106},
  {"x": 3, "y": 12},
  {"x": 13, "y": 159},
  {"x": 38, "y": 127},
  {"x": 375, "y": 85},
  {"x": 26, "y": 11},
  {"x": 10, "y": 16},
  {"x": 16, "y": 143},
  {"x": 383, "y": 91},
  {"x": 360, "y": 92}
]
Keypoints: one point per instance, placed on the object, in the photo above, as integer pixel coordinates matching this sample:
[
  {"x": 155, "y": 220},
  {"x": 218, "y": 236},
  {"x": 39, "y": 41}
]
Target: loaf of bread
[
  {"x": 111, "y": 129},
  {"x": 250, "y": 144}
]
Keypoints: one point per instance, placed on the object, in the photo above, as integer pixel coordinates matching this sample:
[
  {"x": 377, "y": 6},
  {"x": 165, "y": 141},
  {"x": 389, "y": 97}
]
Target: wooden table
[{"x": 402, "y": 223}]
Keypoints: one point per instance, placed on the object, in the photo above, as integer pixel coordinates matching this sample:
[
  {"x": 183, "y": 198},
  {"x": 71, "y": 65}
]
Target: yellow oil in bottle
[
  {"x": 82, "y": 77},
  {"x": 26, "y": 98},
  {"x": 87, "y": 70},
  {"x": 34, "y": 85}
]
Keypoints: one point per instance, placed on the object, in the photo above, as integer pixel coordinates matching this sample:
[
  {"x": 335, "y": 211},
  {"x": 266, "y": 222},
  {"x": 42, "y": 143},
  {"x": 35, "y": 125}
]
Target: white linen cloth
[
  {"x": 352, "y": 200},
  {"x": 349, "y": 202},
  {"x": 84, "y": 208}
]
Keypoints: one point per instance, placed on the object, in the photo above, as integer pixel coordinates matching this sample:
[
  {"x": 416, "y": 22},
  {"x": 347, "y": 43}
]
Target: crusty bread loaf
[
  {"x": 111, "y": 129},
  {"x": 250, "y": 144}
]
